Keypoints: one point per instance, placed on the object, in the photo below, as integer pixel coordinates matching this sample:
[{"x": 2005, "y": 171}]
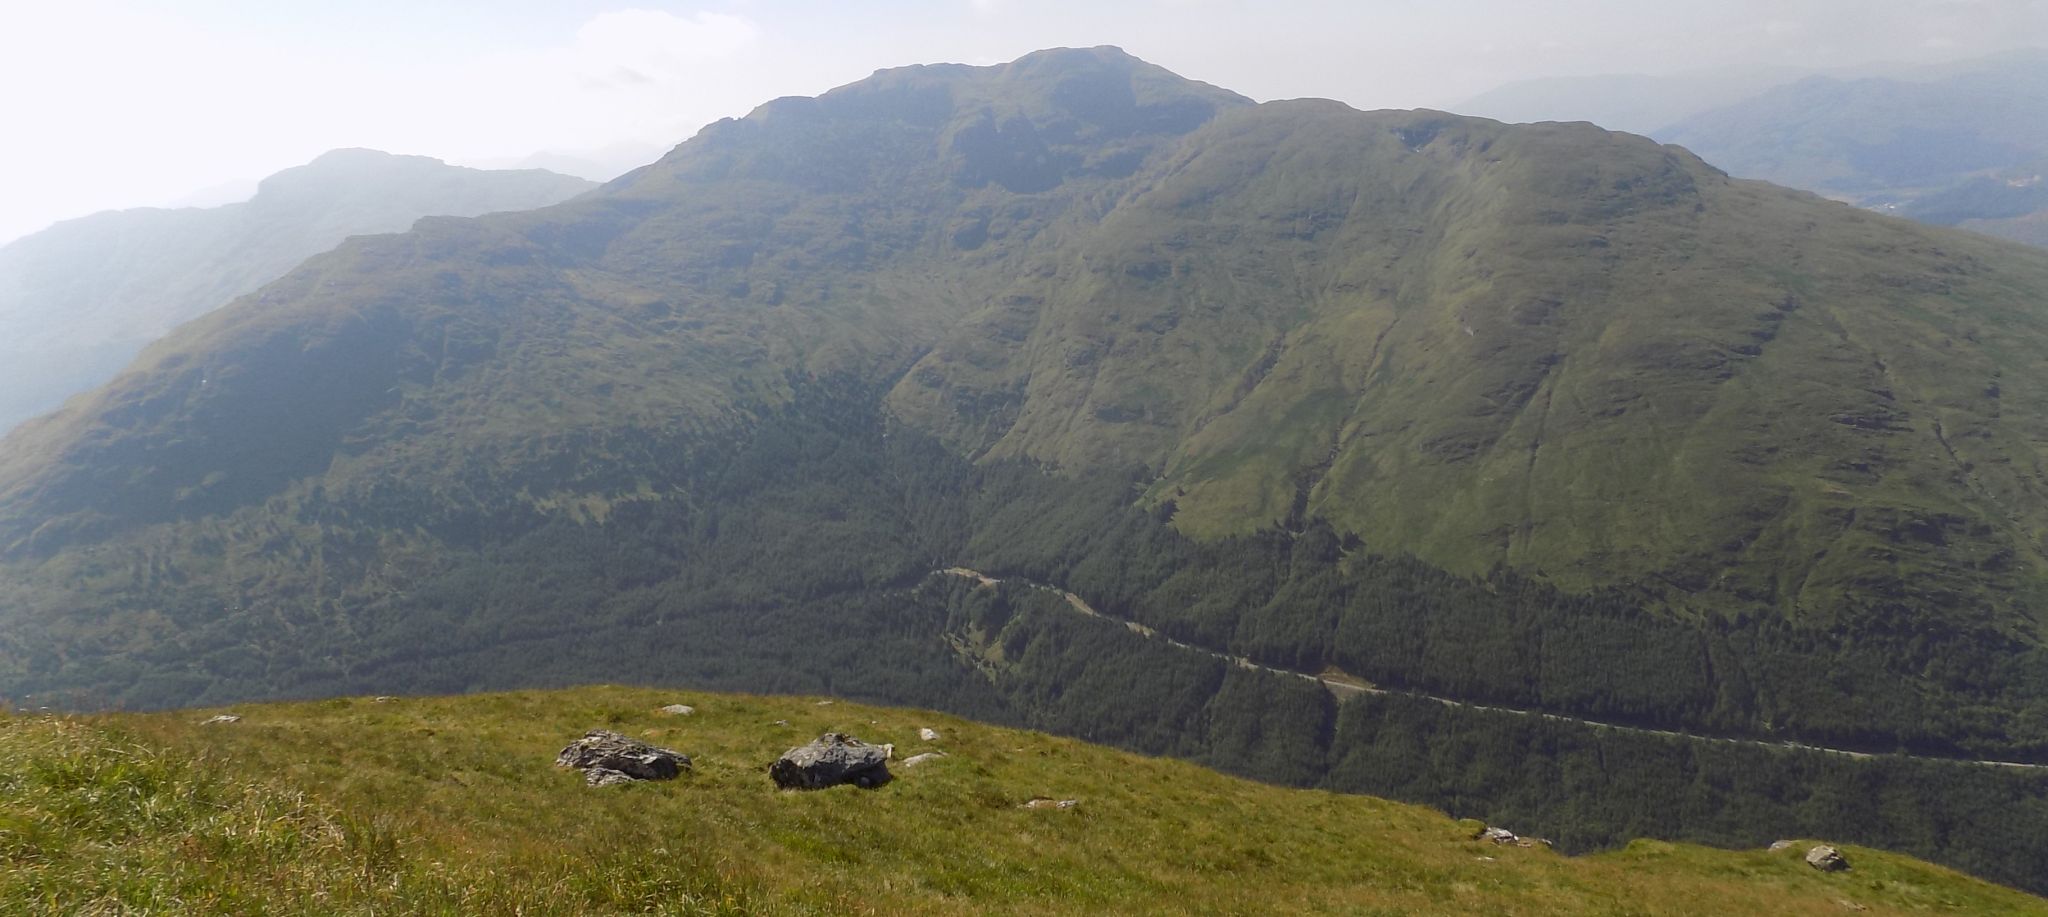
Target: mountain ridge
[{"x": 82, "y": 297}]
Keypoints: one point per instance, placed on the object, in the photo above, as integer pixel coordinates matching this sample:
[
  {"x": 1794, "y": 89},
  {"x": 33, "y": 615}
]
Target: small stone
[
  {"x": 1826, "y": 859},
  {"x": 382, "y": 699},
  {"x": 928, "y": 734},
  {"x": 1780, "y": 845},
  {"x": 780, "y": 723},
  {"x": 824, "y": 703},
  {"x": 1498, "y": 835},
  {"x": 1047, "y": 802},
  {"x": 679, "y": 710},
  {"x": 915, "y": 760},
  {"x": 222, "y": 720}
]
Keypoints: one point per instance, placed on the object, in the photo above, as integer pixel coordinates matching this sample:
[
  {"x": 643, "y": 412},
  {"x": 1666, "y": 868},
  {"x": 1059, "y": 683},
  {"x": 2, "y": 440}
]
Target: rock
[
  {"x": 1780, "y": 845},
  {"x": 606, "y": 758},
  {"x": 915, "y": 760},
  {"x": 1826, "y": 859},
  {"x": 222, "y": 720},
  {"x": 779, "y": 723},
  {"x": 928, "y": 735},
  {"x": 1533, "y": 842},
  {"x": 1047, "y": 802},
  {"x": 832, "y": 759},
  {"x": 1498, "y": 835},
  {"x": 383, "y": 699},
  {"x": 679, "y": 710},
  {"x": 824, "y": 703}
]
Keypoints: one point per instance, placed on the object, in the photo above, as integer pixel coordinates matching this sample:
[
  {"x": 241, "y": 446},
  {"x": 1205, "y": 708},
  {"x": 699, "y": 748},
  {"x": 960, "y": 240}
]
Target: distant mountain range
[
  {"x": 80, "y": 299},
  {"x": 1956, "y": 144},
  {"x": 1536, "y": 419}
]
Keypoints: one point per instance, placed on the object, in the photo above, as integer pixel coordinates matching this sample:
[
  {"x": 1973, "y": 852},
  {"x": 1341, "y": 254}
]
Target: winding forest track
[{"x": 1343, "y": 685}]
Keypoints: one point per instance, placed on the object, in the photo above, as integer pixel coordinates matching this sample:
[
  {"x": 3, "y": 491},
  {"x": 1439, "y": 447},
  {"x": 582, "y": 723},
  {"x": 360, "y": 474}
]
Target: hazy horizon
[{"x": 132, "y": 103}]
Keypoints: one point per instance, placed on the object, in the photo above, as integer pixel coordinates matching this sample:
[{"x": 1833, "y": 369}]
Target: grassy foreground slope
[{"x": 452, "y": 804}]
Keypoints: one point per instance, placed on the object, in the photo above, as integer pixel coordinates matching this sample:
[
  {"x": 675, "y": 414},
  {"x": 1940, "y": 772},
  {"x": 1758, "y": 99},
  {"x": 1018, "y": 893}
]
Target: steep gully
[{"x": 1343, "y": 686}]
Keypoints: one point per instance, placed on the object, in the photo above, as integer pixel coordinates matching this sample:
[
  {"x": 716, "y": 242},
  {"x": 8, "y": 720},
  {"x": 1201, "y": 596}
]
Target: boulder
[
  {"x": 1498, "y": 835},
  {"x": 1780, "y": 845},
  {"x": 915, "y": 760},
  {"x": 928, "y": 735},
  {"x": 606, "y": 758},
  {"x": 832, "y": 759},
  {"x": 679, "y": 710},
  {"x": 222, "y": 720},
  {"x": 1826, "y": 859}
]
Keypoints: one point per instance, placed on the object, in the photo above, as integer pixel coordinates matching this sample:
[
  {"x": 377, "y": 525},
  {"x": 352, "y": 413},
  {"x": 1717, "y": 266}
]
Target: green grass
[{"x": 453, "y": 805}]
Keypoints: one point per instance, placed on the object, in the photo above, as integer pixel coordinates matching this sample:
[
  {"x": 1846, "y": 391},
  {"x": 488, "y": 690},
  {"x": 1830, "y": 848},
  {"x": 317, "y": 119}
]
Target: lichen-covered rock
[
  {"x": 606, "y": 758},
  {"x": 1826, "y": 859},
  {"x": 830, "y": 760}
]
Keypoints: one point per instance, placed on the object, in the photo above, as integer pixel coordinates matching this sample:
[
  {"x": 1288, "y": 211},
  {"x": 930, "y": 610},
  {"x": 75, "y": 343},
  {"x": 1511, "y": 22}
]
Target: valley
[{"x": 1636, "y": 500}]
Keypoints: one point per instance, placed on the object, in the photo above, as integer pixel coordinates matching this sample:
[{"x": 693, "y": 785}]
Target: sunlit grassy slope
[{"x": 454, "y": 805}]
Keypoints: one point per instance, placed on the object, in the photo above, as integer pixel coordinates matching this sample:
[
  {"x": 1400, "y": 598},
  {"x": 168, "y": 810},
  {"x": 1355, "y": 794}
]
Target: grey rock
[
  {"x": 915, "y": 760},
  {"x": 221, "y": 720},
  {"x": 383, "y": 699},
  {"x": 928, "y": 735},
  {"x": 1498, "y": 836},
  {"x": 1780, "y": 845},
  {"x": 679, "y": 710},
  {"x": 832, "y": 759},
  {"x": 1047, "y": 802},
  {"x": 1826, "y": 859},
  {"x": 606, "y": 758}
]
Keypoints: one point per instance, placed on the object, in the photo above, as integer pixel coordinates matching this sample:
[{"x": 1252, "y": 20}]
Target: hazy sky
[{"x": 119, "y": 103}]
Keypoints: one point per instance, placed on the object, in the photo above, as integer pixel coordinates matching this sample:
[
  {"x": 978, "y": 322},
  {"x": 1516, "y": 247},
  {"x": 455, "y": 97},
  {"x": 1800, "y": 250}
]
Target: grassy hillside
[{"x": 452, "y": 804}]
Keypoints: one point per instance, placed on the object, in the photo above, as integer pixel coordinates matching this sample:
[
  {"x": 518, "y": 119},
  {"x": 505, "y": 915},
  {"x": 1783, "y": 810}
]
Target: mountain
[
  {"x": 80, "y": 299},
  {"x": 1948, "y": 145},
  {"x": 1636, "y": 103},
  {"x": 429, "y": 804},
  {"x": 1519, "y": 457}
]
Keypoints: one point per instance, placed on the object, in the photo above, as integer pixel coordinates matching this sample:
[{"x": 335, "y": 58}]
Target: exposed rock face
[
  {"x": 1826, "y": 859},
  {"x": 606, "y": 758},
  {"x": 832, "y": 759}
]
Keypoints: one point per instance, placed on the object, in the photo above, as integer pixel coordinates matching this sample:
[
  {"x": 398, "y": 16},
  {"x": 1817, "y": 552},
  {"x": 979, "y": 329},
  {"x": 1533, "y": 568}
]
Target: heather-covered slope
[{"x": 78, "y": 300}]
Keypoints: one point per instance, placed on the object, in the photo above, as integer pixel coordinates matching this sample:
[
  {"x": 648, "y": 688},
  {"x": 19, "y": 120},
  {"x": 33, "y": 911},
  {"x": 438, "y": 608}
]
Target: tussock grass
[{"x": 453, "y": 805}]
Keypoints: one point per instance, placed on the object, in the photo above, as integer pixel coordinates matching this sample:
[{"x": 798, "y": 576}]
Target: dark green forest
[{"x": 798, "y": 556}]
